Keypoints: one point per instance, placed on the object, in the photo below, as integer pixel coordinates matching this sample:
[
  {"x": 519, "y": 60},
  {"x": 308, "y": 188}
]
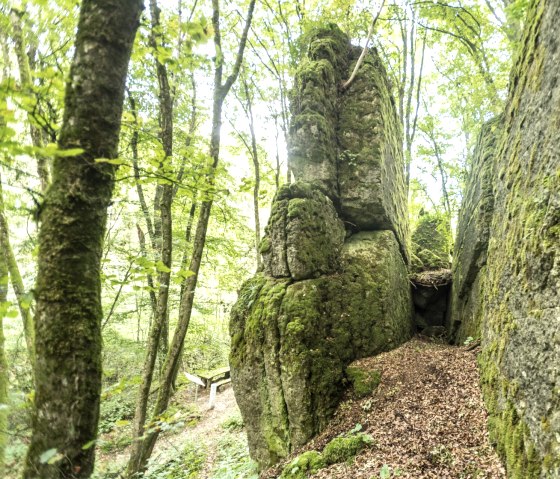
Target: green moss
[
  {"x": 363, "y": 381},
  {"x": 304, "y": 465},
  {"x": 265, "y": 245},
  {"x": 343, "y": 449}
]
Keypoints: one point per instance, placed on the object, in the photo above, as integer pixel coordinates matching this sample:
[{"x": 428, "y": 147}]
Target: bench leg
[{"x": 213, "y": 390}]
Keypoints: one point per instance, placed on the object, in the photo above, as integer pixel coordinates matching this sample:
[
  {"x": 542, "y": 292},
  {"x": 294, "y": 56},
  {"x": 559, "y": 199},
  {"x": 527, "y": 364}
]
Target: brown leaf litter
[{"x": 426, "y": 418}]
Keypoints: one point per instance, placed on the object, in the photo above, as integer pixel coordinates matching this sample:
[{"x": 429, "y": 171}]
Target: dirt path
[{"x": 426, "y": 418}]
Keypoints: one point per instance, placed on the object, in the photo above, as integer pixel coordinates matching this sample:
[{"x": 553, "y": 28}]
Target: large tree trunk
[{"x": 73, "y": 220}]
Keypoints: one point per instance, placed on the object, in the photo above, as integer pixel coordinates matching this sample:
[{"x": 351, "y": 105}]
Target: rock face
[
  {"x": 519, "y": 288},
  {"x": 304, "y": 236},
  {"x": 334, "y": 285},
  {"x": 291, "y": 341},
  {"x": 348, "y": 143},
  {"x": 473, "y": 234}
]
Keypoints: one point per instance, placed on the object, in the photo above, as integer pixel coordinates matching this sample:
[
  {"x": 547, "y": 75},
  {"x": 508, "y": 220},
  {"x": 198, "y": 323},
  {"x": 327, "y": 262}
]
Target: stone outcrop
[
  {"x": 473, "y": 234},
  {"x": 291, "y": 341},
  {"x": 348, "y": 143},
  {"x": 517, "y": 301},
  {"x": 334, "y": 284}
]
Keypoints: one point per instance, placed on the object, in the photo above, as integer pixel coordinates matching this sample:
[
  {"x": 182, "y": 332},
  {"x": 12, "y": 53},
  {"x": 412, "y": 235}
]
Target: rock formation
[
  {"x": 517, "y": 308},
  {"x": 334, "y": 285},
  {"x": 473, "y": 234}
]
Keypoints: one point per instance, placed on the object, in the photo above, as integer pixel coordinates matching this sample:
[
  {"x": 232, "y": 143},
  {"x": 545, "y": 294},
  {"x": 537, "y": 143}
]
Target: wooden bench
[{"x": 212, "y": 379}]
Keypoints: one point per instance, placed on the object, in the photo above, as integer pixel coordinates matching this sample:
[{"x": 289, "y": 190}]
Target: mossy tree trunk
[
  {"x": 145, "y": 446},
  {"x": 73, "y": 221}
]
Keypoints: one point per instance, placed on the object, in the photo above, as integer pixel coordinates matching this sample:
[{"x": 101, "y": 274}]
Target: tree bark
[
  {"x": 26, "y": 84},
  {"x": 158, "y": 337},
  {"x": 73, "y": 222}
]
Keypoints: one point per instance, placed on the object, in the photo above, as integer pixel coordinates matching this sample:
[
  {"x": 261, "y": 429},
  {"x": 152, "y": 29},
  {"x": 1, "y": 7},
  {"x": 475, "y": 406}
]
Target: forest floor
[{"x": 426, "y": 418}]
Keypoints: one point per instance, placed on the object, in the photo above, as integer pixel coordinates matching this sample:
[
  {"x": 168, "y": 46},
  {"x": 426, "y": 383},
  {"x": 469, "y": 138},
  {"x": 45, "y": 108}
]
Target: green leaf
[
  {"x": 88, "y": 444},
  {"x": 48, "y": 455},
  {"x": 160, "y": 266}
]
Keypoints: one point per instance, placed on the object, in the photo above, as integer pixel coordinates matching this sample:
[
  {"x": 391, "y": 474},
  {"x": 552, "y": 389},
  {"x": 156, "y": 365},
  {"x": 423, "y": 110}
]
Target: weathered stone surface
[
  {"x": 312, "y": 143},
  {"x": 349, "y": 143},
  {"x": 473, "y": 234},
  {"x": 371, "y": 184},
  {"x": 291, "y": 341},
  {"x": 304, "y": 236},
  {"x": 520, "y": 361}
]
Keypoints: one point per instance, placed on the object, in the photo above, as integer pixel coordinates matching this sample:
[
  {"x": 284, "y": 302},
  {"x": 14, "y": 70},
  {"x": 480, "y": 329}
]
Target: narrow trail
[{"x": 426, "y": 418}]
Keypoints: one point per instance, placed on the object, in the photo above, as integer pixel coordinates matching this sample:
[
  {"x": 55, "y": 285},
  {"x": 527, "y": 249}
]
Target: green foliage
[
  {"x": 233, "y": 461},
  {"x": 303, "y": 465},
  {"x": 386, "y": 472},
  {"x": 187, "y": 464},
  {"x": 431, "y": 242},
  {"x": 233, "y": 423}
]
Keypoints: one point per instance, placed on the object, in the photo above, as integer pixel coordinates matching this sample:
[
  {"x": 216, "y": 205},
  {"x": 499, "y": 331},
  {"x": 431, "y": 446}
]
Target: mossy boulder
[
  {"x": 303, "y": 466},
  {"x": 431, "y": 243},
  {"x": 342, "y": 449},
  {"x": 304, "y": 236},
  {"x": 291, "y": 341},
  {"x": 348, "y": 142},
  {"x": 312, "y": 144},
  {"x": 364, "y": 382},
  {"x": 372, "y": 190}
]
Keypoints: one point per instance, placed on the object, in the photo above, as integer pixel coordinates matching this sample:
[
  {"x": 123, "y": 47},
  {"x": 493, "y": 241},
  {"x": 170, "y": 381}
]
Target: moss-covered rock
[
  {"x": 312, "y": 141},
  {"x": 521, "y": 293},
  {"x": 348, "y": 142},
  {"x": 303, "y": 466},
  {"x": 291, "y": 341},
  {"x": 364, "y": 382},
  {"x": 304, "y": 236},
  {"x": 431, "y": 243},
  {"x": 321, "y": 302},
  {"x": 372, "y": 190},
  {"x": 342, "y": 449}
]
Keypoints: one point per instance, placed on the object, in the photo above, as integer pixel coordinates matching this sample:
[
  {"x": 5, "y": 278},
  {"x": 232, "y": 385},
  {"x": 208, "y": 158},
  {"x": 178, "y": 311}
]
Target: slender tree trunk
[
  {"x": 256, "y": 167},
  {"x": 73, "y": 221},
  {"x": 3, "y": 362},
  {"x": 144, "y": 447},
  {"x": 23, "y": 299},
  {"x": 26, "y": 84},
  {"x": 158, "y": 337}
]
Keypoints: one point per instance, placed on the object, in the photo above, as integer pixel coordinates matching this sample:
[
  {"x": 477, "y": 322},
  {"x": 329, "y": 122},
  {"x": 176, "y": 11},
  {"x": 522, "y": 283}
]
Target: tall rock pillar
[{"x": 334, "y": 285}]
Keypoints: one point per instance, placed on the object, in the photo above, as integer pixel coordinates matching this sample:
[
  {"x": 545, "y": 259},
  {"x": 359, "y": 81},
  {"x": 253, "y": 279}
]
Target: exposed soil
[{"x": 426, "y": 418}]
